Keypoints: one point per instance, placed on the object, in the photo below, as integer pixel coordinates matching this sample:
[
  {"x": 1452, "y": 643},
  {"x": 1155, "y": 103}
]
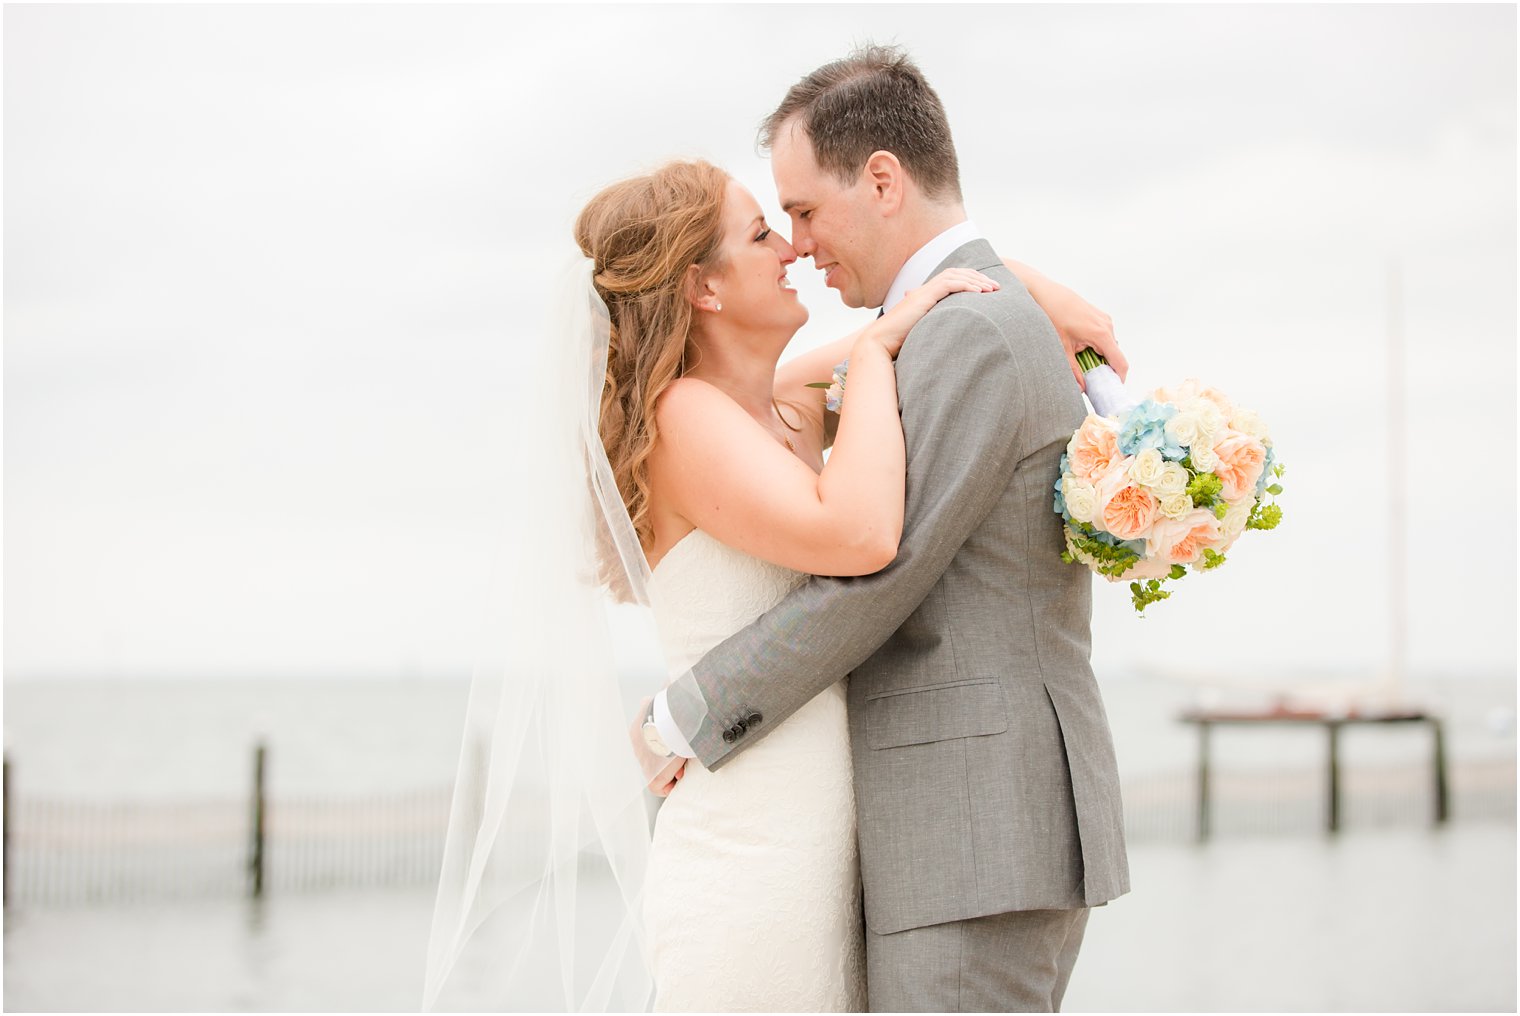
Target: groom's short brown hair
[{"x": 875, "y": 99}]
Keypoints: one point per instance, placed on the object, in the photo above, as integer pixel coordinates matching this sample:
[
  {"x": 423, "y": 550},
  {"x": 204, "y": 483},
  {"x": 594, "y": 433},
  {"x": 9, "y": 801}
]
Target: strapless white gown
[{"x": 752, "y": 901}]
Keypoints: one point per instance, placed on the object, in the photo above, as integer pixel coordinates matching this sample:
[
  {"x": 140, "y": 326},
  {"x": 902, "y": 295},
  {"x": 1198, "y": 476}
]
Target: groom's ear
[{"x": 888, "y": 181}]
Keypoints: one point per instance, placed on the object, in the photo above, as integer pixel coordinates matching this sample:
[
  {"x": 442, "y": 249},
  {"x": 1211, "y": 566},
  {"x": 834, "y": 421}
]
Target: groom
[{"x": 987, "y": 795}]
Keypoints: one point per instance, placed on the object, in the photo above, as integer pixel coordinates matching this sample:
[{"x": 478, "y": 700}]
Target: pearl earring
[{"x": 717, "y": 305}]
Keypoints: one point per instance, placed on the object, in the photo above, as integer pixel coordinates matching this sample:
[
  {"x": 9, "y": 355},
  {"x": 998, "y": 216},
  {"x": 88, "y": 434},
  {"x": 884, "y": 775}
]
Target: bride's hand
[
  {"x": 660, "y": 773},
  {"x": 892, "y": 327}
]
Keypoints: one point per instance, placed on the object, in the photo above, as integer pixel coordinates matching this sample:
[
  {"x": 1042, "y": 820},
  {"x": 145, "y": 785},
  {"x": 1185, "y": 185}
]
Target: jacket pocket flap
[{"x": 935, "y": 712}]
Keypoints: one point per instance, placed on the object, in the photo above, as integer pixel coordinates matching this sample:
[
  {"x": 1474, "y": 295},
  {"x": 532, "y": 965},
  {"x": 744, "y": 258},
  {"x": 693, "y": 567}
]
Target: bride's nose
[{"x": 787, "y": 251}]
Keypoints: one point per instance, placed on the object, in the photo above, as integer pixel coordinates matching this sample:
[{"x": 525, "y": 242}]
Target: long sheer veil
[{"x": 543, "y": 870}]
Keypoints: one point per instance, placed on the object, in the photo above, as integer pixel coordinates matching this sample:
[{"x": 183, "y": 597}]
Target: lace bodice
[
  {"x": 703, "y": 591},
  {"x": 753, "y": 891}
]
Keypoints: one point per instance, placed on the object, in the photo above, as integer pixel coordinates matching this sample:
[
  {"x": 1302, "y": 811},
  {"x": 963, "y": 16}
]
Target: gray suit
[{"x": 984, "y": 769}]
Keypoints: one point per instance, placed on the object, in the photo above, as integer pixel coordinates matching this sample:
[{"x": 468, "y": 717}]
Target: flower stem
[{"x": 1089, "y": 359}]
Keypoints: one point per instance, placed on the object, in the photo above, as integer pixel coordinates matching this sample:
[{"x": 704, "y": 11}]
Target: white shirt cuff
[{"x": 669, "y": 732}]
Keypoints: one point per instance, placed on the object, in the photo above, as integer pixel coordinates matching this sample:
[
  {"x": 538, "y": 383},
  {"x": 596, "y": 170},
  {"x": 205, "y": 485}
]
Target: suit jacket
[{"x": 985, "y": 778}]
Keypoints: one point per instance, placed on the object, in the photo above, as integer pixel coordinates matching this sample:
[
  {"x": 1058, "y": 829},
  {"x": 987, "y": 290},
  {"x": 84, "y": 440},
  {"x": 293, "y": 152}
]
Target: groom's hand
[{"x": 660, "y": 772}]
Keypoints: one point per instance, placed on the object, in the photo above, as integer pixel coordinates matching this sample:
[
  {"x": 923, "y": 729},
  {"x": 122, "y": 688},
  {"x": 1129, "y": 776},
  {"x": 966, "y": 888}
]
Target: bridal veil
[{"x": 542, "y": 880}]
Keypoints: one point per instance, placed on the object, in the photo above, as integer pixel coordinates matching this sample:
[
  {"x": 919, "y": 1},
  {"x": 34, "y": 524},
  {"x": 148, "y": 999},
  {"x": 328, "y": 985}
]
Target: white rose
[
  {"x": 1235, "y": 516},
  {"x": 1147, "y": 466},
  {"x": 1210, "y": 420},
  {"x": 1173, "y": 479},
  {"x": 1249, "y": 424},
  {"x": 1176, "y": 504},
  {"x": 1184, "y": 428},
  {"x": 1202, "y": 454},
  {"x": 1081, "y": 498}
]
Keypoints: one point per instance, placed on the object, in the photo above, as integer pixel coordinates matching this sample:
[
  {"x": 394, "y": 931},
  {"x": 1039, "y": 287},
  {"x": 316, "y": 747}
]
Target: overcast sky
[{"x": 272, "y": 274}]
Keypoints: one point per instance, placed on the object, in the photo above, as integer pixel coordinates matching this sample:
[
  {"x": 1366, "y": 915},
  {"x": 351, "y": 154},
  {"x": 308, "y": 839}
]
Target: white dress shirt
[
  {"x": 669, "y": 732},
  {"x": 916, "y": 270},
  {"x": 914, "y": 273}
]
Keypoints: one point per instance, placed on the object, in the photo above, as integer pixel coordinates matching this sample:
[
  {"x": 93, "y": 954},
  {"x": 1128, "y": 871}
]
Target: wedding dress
[
  {"x": 752, "y": 897},
  {"x": 552, "y": 896}
]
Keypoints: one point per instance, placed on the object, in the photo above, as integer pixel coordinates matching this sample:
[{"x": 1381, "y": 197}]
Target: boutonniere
[{"x": 835, "y": 395}]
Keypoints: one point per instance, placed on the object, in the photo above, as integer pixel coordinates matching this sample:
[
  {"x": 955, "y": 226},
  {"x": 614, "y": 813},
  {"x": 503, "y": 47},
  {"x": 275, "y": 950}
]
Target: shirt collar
[{"x": 915, "y": 271}]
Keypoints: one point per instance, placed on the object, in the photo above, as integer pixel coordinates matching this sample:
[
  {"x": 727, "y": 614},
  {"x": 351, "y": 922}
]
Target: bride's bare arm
[
  {"x": 1079, "y": 324},
  {"x": 717, "y": 468},
  {"x": 794, "y": 376},
  {"x": 725, "y": 474}
]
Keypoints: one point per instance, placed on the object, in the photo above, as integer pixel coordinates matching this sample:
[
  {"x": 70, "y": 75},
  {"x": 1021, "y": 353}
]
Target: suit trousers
[{"x": 1015, "y": 962}]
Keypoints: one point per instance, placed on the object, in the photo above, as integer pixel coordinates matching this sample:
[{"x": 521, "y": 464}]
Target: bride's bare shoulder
[{"x": 690, "y": 403}]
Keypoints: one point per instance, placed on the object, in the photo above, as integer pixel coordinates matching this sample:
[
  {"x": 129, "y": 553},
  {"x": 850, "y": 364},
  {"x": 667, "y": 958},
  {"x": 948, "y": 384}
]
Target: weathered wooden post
[
  {"x": 1205, "y": 823},
  {"x": 1438, "y": 766},
  {"x": 256, "y": 846},
  {"x": 1333, "y": 809}
]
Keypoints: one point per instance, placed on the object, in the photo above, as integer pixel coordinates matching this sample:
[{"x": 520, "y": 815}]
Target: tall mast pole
[{"x": 1398, "y": 578}]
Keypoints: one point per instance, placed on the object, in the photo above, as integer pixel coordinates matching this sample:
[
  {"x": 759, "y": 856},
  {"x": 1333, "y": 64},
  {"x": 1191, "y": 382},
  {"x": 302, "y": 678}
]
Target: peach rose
[
  {"x": 1192, "y": 389},
  {"x": 1093, "y": 449},
  {"x": 1145, "y": 569},
  {"x": 1219, "y": 399},
  {"x": 1125, "y": 509},
  {"x": 1181, "y": 541},
  {"x": 1241, "y": 459},
  {"x": 1178, "y": 393}
]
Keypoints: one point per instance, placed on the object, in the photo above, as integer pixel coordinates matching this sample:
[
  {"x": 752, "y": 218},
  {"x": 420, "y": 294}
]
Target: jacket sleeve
[{"x": 961, "y": 403}]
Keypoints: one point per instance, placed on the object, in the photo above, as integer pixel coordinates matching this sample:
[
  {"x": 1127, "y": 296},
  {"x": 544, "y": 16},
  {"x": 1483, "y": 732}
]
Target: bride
[{"x": 750, "y": 888}]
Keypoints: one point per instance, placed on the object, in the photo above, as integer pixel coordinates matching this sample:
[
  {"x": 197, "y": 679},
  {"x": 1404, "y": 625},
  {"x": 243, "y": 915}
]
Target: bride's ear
[{"x": 702, "y": 290}]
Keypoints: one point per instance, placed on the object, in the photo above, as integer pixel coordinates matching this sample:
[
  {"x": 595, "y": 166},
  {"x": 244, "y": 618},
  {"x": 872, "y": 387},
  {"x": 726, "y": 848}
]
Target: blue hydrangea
[
  {"x": 1263, "y": 481},
  {"x": 1146, "y": 428},
  {"x": 1104, "y": 536},
  {"x": 1060, "y": 506}
]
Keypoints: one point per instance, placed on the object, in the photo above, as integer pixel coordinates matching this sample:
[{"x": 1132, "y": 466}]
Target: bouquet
[{"x": 1148, "y": 491}]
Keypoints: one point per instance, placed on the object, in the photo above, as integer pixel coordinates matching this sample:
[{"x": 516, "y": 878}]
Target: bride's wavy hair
[{"x": 643, "y": 235}]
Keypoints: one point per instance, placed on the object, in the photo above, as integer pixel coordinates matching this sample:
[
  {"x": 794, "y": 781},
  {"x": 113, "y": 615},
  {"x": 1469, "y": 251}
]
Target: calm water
[
  {"x": 1382, "y": 919},
  {"x": 1392, "y": 921}
]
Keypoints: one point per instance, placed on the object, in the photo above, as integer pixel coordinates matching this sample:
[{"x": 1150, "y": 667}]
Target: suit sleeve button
[
  {"x": 755, "y": 719},
  {"x": 729, "y": 736}
]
